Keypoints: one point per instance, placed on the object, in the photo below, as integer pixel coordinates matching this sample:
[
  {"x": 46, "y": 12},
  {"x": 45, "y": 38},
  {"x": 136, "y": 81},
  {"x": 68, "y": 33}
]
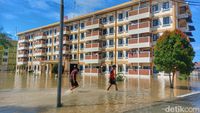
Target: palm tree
[{"x": 4, "y": 38}]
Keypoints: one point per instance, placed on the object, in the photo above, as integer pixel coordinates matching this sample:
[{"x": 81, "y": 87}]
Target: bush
[{"x": 120, "y": 77}]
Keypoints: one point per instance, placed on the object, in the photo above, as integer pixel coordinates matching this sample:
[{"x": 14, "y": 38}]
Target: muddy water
[{"x": 37, "y": 93}]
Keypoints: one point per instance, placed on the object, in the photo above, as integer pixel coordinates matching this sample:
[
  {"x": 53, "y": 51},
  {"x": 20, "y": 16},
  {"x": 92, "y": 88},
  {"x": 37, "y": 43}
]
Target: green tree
[
  {"x": 173, "y": 52},
  {"x": 4, "y": 38}
]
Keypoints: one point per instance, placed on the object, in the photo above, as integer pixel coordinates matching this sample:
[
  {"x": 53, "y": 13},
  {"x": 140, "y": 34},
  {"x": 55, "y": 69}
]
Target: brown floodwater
[{"x": 37, "y": 93}]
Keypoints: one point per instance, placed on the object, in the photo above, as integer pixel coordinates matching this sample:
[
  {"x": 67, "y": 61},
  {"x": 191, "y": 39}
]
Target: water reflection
[{"x": 92, "y": 94}]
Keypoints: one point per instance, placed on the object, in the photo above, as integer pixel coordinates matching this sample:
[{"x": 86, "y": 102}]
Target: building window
[
  {"x": 81, "y": 56},
  {"x": 126, "y": 14},
  {"x": 70, "y": 37},
  {"x": 120, "y": 29},
  {"x": 75, "y": 56},
  {"x": 166, "y": 21},
  {"x": 82, "y": 35},
  {"x": 120, "y": 16},
  {"x": 120, "y": 54},
  {"x": 104, "y": 44},
  {"x": 104, "y": 20},
  {"x": 126, "y": 41},
  {"x": 75, "y": 46},
  {"x": 166, "y": 6},
  {"x": 104, "y": 31},
  {"x": 120, "y": 42},
  {"x": 81, "y": 46},
  {"x": 55, "y": 40},
  {"x": 111, "y": 42},
  {"x": 127, "y": 28},
  {"x": 111, "y": 54},
  {"x": 5, "y": 53},
  {"x": 55, "y": 31},
  {"x": 70, "y": 47},
  {"x": 155, "y": 8},
  {"x": 111, "y": 30},
  {"x": 155, "y": 22},
  {"x": 82, "y": 25},
  {"x": 75, "y": 37},
  {"x": 5, "y": 60},
  {"x": 111, "y": 18},
  {"x": 155, "y": 37}
]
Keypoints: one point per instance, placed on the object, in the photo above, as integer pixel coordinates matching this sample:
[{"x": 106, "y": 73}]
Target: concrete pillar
[
  {"x": 107, "y": 69},
  {"x": 124, "y": 69}
]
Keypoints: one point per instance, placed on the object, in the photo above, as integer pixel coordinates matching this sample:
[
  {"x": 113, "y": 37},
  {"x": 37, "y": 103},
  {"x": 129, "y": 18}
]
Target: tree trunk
[
  {"x": 173, "y": 79},
  {"x": 170, "y": 81}
]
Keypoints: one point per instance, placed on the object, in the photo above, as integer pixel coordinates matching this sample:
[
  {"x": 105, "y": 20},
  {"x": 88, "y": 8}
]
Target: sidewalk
[{"x": 189, "y": 103}]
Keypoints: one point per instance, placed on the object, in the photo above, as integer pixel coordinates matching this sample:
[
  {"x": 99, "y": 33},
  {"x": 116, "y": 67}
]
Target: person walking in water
[
  {"x": 112, "y": 78},
  {"x": 73, "y": 74}
]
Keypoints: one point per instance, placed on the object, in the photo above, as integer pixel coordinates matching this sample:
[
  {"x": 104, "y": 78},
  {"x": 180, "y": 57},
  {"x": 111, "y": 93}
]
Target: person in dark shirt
[
  {"x": 112, "y": 78},
  {"x": 73, "y": 74}
]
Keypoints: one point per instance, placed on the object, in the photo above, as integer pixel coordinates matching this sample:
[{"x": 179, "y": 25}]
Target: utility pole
[{"x": 59, "y": 104}]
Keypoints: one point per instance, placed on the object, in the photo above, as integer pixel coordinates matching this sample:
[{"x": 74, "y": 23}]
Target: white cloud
[{"x": 39, "y": 4}]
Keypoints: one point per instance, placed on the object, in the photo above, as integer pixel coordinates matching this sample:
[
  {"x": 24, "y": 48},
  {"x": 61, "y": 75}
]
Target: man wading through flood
[{"x": 112, "y": 78}]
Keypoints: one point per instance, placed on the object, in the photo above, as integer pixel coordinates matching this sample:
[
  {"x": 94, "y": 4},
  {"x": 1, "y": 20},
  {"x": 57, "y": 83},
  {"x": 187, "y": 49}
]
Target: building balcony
[
  {"x": 94, "y": 35},
  {"x": 93, "y": 24},
  {"x": 23, "y": 47},
  {"x": 139, "y": 71},
  {"x": 22, "y": 55},
  {"x": 92, "y": 47},
  {"x": 91, "y": 70},
  {"x": 143, "y": 27},
  {"x": 144, "y": 57},
  {"x": 139, "y": 42},
  {"x": 139, "y": 14},
  {"x": 92, "y": 59},
  {"x": 40, "y": 36},
  {"x": 22, "y": 61},
  {"x": 39, "y": 52},
  {"x": 40, "y": 44},
  {"x": 23, "y": 40}
]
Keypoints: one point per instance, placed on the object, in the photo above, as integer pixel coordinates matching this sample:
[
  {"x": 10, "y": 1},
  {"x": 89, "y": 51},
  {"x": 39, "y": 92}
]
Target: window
[
  {"x": 166, "y": 6},
  {"x": 120, "y": 54},
  {"x": 120, "y": 16},
  {"x": 111, "y": 18},
  {"x": 5, "y": 59},
  {"x": 104, "y": 43},
  {"x": 75, "y": 37},
  {"x": 111, "y": 42},
  {"x": 127, "y": 28},
  {"x": 111, "y": 54},
  {"x": 155, "y": 37},
  {"x": 54, "y": 48},
  {"x": 104, "y": 31},
  {"x": 55, "y": 31},
  {"x": 111, "y": 30},
  {"x": 70, "y": 47},
  {"x": 50, "y": 31},
  {"x": 75, "y": 56},
  {"x": 120, "y": 42},
  {"x": 71, "y": 27},
  {"x": 82, "y": 35},
  {"x": 104, "y": 20},
  {"x": 126, "y": 41},
  {"x": 166, "y": 21},
  {"x": 82, "y": 45},
  {"x": 155, "y": 22},
  {"x": 55, "y": 40},
  {"x": 81, "y": 56},
  {"x": 126, "y": 14},
  {"x": 82, "y": 25},
  {"x": 50, "y": 40},
  {"x": 70, "y": 37},
  {"x": 155, "y": 8},
  {"x": 120, "y": 29},
  {"x": 75, "y": 46},
  {"x": 5, "y": 53}
]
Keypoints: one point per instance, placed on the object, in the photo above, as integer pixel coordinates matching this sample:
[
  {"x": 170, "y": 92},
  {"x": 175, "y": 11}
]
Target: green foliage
[
  {"x": 183, "y": 77},
  {"x": 173, "y": 52},
  {"x": 120, "y": 77},
  {"x": 4, "y": 39}
]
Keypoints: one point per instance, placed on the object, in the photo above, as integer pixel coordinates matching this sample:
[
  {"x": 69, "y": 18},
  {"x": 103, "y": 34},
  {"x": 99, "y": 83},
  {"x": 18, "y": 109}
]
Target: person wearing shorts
[
  {"x": 73, "y": 81},
  {"x": 112, "y": 78}
]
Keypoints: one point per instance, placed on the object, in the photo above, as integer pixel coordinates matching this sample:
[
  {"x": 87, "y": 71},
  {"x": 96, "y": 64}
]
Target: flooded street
[{"x": 37, "y": 93}]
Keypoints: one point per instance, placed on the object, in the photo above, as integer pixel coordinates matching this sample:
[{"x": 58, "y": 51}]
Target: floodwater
[{"x": 30, "y": 93}]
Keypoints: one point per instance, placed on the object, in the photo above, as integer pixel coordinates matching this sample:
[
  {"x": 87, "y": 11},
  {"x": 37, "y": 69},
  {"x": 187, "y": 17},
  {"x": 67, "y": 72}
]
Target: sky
[{"x": 21, "y": 15}]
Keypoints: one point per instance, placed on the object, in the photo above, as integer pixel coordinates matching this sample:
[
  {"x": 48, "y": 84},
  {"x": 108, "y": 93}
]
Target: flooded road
[{"x": 37, "y": 93}]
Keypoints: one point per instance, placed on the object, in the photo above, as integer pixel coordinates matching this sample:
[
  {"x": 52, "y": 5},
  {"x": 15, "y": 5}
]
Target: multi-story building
[
  {"x": 8, "y": 56},
  {"x": 123, "y": 35}
]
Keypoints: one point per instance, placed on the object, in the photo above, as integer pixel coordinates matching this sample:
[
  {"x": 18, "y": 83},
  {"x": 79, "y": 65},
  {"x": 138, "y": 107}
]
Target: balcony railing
[
  {"x": 141, "y": 55},
  {"x": 139, "y": 25},
  {"x": 90, "y": 57},
  {"x": 139, "y": 40},
  {"x": 93, "y": 33},
  {"x": 96, "y": 21},
  {"x": 93, "y": 45},
  {"x": 139, "y": 71},
  {"x": 91, "y": 70},
  {"x": 139, "y": 11}
]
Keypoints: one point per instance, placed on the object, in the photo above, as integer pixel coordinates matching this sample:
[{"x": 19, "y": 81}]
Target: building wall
[{"x": 124, "y": 36}]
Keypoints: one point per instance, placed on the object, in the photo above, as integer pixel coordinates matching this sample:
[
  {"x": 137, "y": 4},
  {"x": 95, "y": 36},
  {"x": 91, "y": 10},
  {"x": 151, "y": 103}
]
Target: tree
[
  {"x": 173, "y": 52},
  {"x": 4, "y": 38}
]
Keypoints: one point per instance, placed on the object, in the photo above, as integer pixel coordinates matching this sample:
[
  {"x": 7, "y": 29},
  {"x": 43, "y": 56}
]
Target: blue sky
[{"x": 21, "y": 15}]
